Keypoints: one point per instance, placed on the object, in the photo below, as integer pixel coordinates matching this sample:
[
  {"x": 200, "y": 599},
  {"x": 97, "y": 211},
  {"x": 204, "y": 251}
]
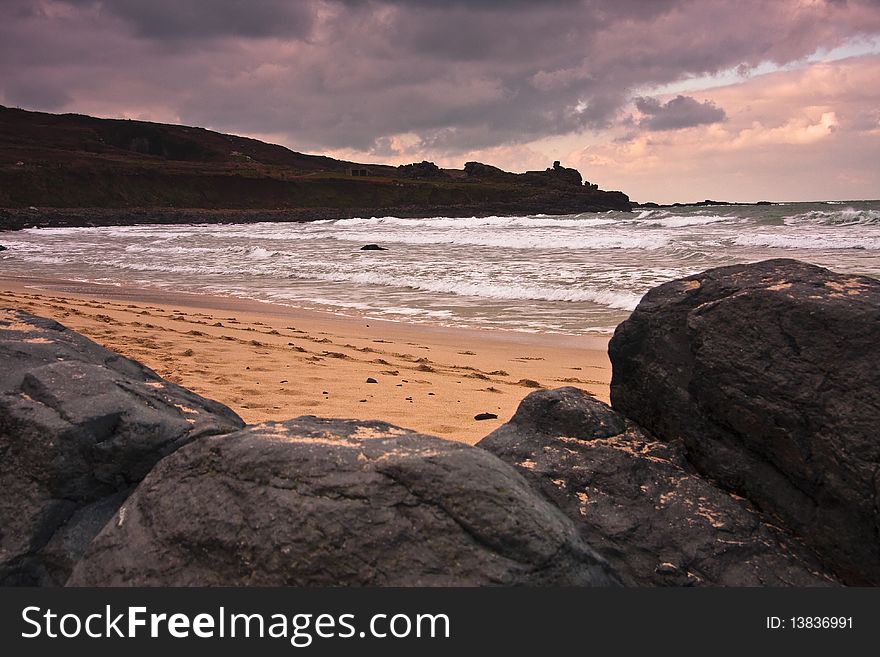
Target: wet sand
[{"x": 271, "y": 362}]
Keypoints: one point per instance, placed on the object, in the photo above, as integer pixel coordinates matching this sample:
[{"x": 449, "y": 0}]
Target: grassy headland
[{"x": 70, "y": 169}]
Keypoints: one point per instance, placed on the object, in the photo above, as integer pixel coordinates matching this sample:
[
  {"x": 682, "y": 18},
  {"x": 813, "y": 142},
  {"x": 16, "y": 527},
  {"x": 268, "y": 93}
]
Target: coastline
[{"x": 273, "y": 362}]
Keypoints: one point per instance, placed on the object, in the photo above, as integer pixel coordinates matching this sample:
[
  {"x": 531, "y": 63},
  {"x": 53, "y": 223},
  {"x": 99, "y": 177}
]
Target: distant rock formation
[
  {"x": 480, "y": 170},
  {"x": 80, "y": 426},
  {"x": 557, "y": 173},
  {"x": 314, "y": 502},
  {"x": 423, "y": 169},
  {"x": 770, "y": 375},
  {"x": 552, "y": 175},
  {"x": 639, "y": 502}
]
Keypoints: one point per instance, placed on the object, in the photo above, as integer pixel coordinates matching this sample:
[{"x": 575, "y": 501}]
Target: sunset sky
[{"x": 667, "y": 100}]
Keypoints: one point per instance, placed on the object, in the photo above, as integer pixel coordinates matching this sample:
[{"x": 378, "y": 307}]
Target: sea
[{"x": 571, "y": 274}]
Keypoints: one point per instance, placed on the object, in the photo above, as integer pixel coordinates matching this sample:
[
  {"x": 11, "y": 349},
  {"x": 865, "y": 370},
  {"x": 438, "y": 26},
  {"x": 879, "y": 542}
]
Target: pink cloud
[{"x": 808, "y": 133}]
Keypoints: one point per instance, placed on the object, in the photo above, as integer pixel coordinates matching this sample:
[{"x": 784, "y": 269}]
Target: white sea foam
[
  {"x": 847, "y": 216},
  {"x": 514, "y": 240},
  {"x": 466, "y": 223},
  {"x": 808, "y": 242},
  {"x": 674, "y": 221},
  {"x": 575, "y": 273},
  {"x": 486, "y": 290}
]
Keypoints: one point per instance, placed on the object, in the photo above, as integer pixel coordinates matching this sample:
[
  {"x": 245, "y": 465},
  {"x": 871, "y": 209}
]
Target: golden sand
[{"x": 270, "y": 362}]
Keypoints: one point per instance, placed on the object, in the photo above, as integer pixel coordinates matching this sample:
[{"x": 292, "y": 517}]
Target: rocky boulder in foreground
[
  {"x": 770, "y": 375},
  {"x": 315, "y": 502},
  {"x": 639, "y": 501},
  {"x": 79, "y": 427}
]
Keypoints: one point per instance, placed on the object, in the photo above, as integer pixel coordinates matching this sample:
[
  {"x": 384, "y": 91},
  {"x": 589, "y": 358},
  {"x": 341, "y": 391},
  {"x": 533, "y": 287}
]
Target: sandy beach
[{"x": 275, "y": 362}]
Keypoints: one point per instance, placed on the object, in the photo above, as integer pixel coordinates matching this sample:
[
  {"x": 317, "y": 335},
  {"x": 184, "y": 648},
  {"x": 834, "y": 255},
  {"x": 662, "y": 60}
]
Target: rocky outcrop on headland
[
  {"x": 315, "y": 502},
  {"x": 640, "y": 503},
  {"x": 80, "y": 426},
  {"x": 769, "y": 374}
]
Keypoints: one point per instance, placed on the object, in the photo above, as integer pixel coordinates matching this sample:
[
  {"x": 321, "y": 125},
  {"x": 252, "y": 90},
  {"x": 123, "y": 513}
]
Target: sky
[{"x": 666, "y": 100}]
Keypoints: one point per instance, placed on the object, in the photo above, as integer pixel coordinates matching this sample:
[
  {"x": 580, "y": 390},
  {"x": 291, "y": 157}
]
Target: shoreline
[{"x": 272, "y": 362}]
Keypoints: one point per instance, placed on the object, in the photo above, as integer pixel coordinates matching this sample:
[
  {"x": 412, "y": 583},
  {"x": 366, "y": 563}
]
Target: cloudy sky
[{"x": 664, "y": 99}]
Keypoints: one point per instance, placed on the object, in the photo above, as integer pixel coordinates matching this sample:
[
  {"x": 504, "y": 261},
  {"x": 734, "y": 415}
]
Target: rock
[
  {"x": 423, "y": 169},
  {"x": 373, "y": 247},
  {"x": 480, "y": 170},
  {"x": 371, "y": 380},
  {"x": 639, "y": 502},
  {"x": 485, "y": 416},
  {"x": 317, "y": 502},
  {"x": 770, "y": 374},
  {"x": 3, "y": 248},
  {"x": 80, "y": 426}
]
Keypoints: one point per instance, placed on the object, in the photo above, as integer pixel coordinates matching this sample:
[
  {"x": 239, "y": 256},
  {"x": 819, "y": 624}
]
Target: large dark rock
[
  {"x": 79, "y": 427},
  {"x": 315, "y": 502},
  {"x": 639, "y": 502},
  {"x": 770, "y": 374}
]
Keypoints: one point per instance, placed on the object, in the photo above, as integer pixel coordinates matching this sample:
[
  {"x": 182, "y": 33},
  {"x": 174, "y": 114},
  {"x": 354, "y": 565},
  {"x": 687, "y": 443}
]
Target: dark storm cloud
[
  {"x": 453, "y": 75},
  {"x": 680, "y": 112},
  {"x": 176, "y": 19},
  {"x": 35, "y": 93}
]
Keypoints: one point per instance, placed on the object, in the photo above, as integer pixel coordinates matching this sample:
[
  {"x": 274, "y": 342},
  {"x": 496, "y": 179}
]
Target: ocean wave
[
  {"x": 682, "y": 221},
  {"x": 537, "y": 221},
  {"x": 618, "y": 299},
  {"x": 253, "y": 252},
  {"x": 808, "y": 242},
  {"x": 847, "y": 216},
  {"x": 651, "y": 214},
  {"x": 515, "y": 240}
]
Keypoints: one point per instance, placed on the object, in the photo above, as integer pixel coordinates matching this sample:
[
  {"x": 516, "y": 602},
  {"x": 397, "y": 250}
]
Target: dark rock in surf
[
  {"x": 640, "y": 503},
  {"x": 319, "y": 502},
  {"x": 770, "y": 375},
  {"x": 80, "y": 426},
  {"x": 3, "y": 248},
  {"x": 373, "y": 247}
]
